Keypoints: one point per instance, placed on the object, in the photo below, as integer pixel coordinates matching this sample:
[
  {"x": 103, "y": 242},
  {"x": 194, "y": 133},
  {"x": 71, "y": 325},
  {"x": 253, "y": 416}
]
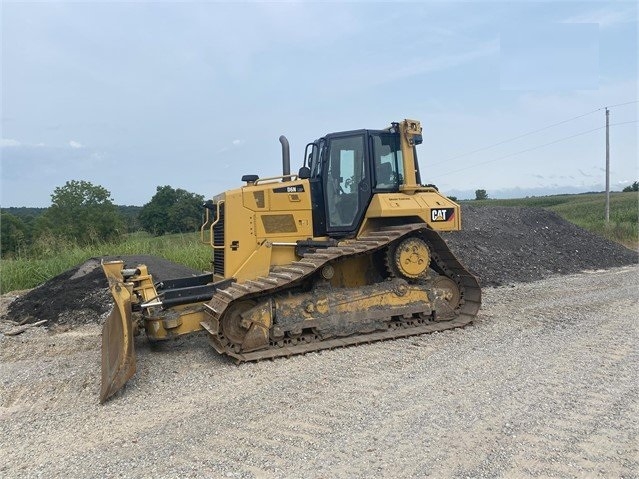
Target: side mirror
[{"x": 304, "y": 173}]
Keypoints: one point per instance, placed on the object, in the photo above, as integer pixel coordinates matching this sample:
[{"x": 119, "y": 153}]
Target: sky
[{"x": 136, "y": 95}]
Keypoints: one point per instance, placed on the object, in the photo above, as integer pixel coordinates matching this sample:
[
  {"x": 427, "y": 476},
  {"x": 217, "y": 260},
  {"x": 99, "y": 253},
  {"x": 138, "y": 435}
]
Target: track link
[{"x": 289, "y": 276}]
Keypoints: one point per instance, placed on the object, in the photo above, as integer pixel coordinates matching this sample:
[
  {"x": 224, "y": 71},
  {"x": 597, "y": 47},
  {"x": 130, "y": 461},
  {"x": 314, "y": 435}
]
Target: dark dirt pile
[
  {"x": 500, "y": 245},
  {"x": 80, "y": 295},
  {"x": 504, "y": 245}
]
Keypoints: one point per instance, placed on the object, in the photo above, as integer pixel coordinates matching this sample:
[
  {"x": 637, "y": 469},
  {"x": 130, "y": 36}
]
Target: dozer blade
[{"x": 118, "y": 355}]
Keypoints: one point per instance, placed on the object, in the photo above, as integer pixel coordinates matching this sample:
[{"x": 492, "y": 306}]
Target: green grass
[
  {"x": 587, "y": 211},
  {"x": 51, "y": 257}
]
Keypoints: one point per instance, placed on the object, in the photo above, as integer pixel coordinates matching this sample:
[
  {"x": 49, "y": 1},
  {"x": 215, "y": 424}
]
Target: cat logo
[{"x": 442, "y": 214}]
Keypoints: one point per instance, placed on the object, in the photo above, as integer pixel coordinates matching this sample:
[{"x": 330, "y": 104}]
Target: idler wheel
[
  {"x": 233, "y": 326},
  {"x": 447, "y": 290}
]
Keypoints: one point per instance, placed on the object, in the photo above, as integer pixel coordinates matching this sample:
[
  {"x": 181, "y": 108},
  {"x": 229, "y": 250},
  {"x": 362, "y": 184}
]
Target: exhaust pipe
[{"x": 286, "y": 157}]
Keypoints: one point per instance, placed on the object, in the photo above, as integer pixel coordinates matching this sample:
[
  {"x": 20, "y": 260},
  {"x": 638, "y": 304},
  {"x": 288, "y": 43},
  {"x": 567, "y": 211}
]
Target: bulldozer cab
[{"x": 347, "y": 169}]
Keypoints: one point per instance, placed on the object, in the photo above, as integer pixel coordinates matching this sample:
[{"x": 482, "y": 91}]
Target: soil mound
[
  {"x": 80, "y": 295},
  {"x": 500, "y": 245}
]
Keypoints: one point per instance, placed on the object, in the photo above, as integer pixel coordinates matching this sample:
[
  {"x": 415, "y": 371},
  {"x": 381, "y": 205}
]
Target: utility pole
[{"x": 607, "y": 165}]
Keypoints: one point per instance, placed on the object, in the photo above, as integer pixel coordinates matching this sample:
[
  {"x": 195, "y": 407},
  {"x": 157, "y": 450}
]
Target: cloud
[
  {"x": 435, "y": 63},
  {"x": 5, "y": 142},
  {"x": 9, "y": 142},
  {"x": 605, "y": 17},
  {"x": 75, "y": 144},
  {"x": 234, "y": 144}
]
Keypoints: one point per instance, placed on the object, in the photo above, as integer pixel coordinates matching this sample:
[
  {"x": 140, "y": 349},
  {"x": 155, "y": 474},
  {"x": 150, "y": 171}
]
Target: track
[{"x": 287, "y": 277}]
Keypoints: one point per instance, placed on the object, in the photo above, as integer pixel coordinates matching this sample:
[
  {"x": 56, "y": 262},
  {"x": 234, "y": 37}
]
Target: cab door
[{"x": 347, "y": 182}]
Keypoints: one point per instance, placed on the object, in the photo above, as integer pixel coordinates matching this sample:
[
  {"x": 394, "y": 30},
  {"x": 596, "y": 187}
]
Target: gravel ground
[{"x": 544, "y": 384}]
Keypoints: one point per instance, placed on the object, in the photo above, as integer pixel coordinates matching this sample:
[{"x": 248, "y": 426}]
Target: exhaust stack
[{"x": 286, "y": 157}]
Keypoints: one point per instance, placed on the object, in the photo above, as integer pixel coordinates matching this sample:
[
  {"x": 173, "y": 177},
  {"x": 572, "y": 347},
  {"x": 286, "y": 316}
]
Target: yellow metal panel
[
  {"x": 409, "y": 129},
  {"x": 251, "y": 230},
  {"x": 239, "y": 231},
  {"x": 431, "y": 207},
  {"x": 352, "y": 272},
  {"x": 255, "y": 197},
  {"x": 256, "y": 264},
  {"x": 282, "y": 255},
  {"x": 289, "y": 195},
  {"x": 282, "y": 210}
]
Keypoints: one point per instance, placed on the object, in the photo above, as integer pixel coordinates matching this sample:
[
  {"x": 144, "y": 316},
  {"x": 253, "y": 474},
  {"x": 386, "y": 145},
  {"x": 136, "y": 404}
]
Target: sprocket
[{"x": 408, "y": 259}]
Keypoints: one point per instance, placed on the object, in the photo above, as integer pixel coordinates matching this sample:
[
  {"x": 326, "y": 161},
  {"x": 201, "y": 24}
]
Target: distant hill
[
  {"x": 24, "y": 212},
  {"x": 130, "y": 214}
]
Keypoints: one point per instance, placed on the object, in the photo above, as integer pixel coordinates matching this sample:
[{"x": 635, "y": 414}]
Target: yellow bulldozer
[{"x": 344, "y": 252}]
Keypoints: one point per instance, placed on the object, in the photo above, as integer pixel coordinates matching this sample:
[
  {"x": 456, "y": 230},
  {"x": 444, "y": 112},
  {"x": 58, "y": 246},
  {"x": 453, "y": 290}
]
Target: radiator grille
[{"x": 218, "y": 240}]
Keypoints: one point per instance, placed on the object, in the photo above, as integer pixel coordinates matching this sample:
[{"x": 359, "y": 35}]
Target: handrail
[
  {"x": 274, "y": 179},
  {"x": 206, "y": 222}
]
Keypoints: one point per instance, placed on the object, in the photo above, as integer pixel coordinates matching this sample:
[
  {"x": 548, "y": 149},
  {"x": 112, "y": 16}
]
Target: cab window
[{"x": 387, "y": 159}]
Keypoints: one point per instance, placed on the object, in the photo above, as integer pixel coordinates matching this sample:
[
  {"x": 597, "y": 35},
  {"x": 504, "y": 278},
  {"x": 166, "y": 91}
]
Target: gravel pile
[
  {"x": 543, "y": 385},
  {"x": 500, "y": 245},
  {"x": 503, "y": 245}
]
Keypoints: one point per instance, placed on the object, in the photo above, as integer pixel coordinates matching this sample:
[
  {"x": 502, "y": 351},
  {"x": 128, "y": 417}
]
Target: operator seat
[{"x": 384, "y": 175}]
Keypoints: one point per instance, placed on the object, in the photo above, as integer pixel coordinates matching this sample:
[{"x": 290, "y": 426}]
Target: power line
[
  {"x": 623, "y": 123},
  {"x": 532, "y": 148},
  {"x": 508, "y": 140},
  {"x": 622, "y": 104},
  {"x": 517, "y": 137}
]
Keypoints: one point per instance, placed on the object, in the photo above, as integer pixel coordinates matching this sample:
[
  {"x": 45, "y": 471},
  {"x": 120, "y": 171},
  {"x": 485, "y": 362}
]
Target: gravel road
[{"x": 544, "y": 384}]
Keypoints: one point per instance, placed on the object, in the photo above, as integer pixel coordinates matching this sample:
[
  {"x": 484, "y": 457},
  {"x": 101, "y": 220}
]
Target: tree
[
  {"x": 82, "y": 212},
  {"x": 130, "y": 215},
  {"x": 481, "y": 195},
  {"x": 633, "y": 187},
  {"x": 172, "y": 211},
  {"x": 14, "y": 234}
]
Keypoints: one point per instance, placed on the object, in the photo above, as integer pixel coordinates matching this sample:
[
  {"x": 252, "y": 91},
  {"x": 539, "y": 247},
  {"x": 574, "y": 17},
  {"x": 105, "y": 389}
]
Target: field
[
  {"x": 53, "y": 257},
  {"x": 28, "y": 272}
]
